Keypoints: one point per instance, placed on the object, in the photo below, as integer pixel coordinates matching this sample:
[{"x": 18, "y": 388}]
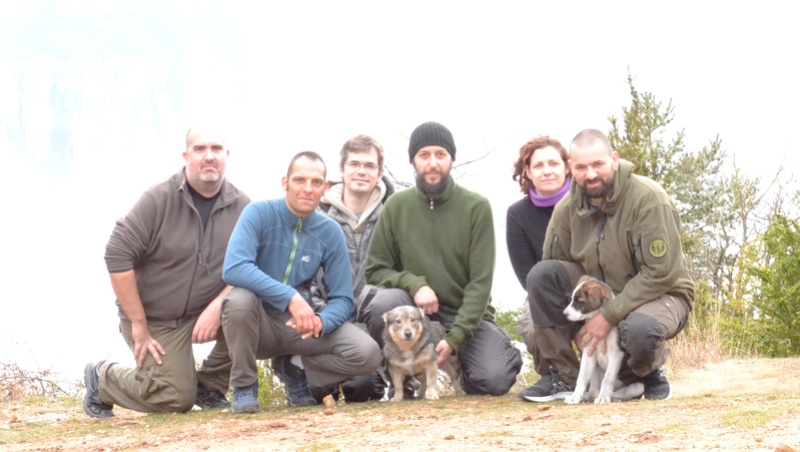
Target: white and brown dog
[
  {"x": 587, "y": 298},
  {"x": 409, "y": 339}
]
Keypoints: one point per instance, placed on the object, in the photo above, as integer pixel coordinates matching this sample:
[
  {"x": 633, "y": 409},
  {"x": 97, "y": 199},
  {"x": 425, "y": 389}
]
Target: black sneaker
[
  {"x": 656, "y": 385},
  {"x": 207, "y": 399},
  {"x": 92, "y": 405},
  {"x": 295, "y": 384},
  {"x": 550, "y": 387}
]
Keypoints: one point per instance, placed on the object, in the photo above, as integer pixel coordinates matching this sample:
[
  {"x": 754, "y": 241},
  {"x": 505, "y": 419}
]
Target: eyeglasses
[{"x": 368, "y": 167}]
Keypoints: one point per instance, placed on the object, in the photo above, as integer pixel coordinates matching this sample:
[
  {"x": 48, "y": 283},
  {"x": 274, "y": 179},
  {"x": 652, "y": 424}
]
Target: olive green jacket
[{"x": 632, "y": 242}]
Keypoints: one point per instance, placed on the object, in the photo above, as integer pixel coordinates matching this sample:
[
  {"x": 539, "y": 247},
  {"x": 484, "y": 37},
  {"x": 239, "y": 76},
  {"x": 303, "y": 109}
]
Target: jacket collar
[
  {"x": 448, "y": 193},
  {"x": 227, "y": 194}
]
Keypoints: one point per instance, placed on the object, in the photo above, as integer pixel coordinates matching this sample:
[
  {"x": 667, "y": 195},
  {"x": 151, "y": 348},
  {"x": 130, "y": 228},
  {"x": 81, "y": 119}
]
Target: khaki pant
[
  {"x": 172, "y": 386},
  {"x": 253, "y": 333},
  {"x": 642, "y": 334}
]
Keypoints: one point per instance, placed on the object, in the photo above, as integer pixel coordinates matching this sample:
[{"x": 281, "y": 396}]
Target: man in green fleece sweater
[
  {"x": 623, "y": 229},
  {"x": 434, "y": 247}
]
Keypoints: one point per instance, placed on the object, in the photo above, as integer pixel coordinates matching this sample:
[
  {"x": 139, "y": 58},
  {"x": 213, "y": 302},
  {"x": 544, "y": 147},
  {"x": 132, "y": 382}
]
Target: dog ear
[
  {"x": 421, "y": 312},
  {"x": 385, "y": 317},
  {"x": 583, "y": 279},
  {"x": 597, "y": 293}
]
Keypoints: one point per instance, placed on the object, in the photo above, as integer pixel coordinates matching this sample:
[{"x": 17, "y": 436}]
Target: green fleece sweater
[{"x": 447, "y": 244}]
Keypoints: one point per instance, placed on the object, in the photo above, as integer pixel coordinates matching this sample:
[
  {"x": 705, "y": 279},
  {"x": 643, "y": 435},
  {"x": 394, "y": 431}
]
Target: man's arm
[
  {"x": 662, "y": 266},
  {"x": 124, "y": 285},
  {"x": 477, "y": 292},
  {"x": 240, "y": 268},
  {"x": 207, "y": 325}
]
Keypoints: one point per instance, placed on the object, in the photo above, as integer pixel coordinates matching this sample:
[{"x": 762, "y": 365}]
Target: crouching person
[
  {"x": 275, "y": 250},
  {"x": 169, "y": 299}
]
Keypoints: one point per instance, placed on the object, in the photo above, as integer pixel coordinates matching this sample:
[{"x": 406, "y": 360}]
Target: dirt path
[{"x": 734, "y": 405}]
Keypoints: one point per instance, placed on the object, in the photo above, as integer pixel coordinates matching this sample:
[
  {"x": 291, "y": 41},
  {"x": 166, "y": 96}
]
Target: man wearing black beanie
[{"x": 434, "y": 247}]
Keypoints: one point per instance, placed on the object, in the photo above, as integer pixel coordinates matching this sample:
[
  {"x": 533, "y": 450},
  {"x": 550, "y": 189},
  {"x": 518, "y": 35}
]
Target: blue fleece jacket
[{"x": 273, "y": 253}]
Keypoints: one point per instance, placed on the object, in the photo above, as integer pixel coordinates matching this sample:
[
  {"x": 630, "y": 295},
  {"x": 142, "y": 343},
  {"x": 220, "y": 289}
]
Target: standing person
[
  {"x": 274, "y": 252},
  {"x": 165, "y": 262},
  {"x": 543, "y": 176},
  {"x": 355, "y": 204},
  {"x": 623, "y": 229},
  {"x": 434, "y": 247}
]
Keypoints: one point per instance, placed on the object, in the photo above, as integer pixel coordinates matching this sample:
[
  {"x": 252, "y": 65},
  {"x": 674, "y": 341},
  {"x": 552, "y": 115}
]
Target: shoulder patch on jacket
[{"x": 658, "y": 248}]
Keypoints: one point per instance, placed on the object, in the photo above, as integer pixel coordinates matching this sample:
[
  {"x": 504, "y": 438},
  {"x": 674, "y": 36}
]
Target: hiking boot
[
  {"x": 207, "y": 399},
  {"x": 245, "y": 399},
  {"x": 295, "y": 384},
  {"x": 92, "y": 405},
  {"x": 550, "y": 387},
  {"x": 656, "y": 385}
]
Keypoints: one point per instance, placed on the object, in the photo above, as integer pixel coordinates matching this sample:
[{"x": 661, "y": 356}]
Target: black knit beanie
[{"x": 431, "y": 134}]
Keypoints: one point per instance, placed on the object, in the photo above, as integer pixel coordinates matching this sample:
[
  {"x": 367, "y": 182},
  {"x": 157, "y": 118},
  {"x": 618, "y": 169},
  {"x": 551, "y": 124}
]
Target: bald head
[
  {"x": 591, "y": 138},
  {"x": 196, "y": 131}
]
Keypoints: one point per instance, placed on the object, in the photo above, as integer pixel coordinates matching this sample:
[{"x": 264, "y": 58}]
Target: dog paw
[
  {"x": 573, "y": 399},
  {"x": 396, "y": 398},
  {"x": 603, "y": 398},
  {"x": 431, "y": 395}
]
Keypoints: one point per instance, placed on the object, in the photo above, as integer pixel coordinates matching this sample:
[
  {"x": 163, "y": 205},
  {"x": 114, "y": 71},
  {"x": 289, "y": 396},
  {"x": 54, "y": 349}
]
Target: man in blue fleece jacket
[{"x": 274, "y": 252}]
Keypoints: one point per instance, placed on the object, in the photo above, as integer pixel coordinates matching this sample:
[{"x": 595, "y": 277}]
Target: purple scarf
[{"x": 549, "y": 200}]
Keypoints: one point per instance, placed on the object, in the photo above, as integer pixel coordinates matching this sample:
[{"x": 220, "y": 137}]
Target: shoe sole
[
  {"x": 246, "y": 409},
  {"x": 548, "y": 398}
]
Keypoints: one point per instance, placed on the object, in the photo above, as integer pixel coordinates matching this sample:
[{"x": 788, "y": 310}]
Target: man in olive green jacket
[{"x": 623, "y": 229}]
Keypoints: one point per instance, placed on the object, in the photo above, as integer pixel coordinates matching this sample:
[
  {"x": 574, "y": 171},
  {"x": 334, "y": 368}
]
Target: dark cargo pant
[
  {"x": 642, "y": 335},
  {"x": 489, "y": 362}
]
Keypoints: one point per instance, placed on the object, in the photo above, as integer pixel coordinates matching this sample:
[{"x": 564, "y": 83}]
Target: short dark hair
[
  {"x": 358, "y": 144},
  {"x": 311, "y": 155}
]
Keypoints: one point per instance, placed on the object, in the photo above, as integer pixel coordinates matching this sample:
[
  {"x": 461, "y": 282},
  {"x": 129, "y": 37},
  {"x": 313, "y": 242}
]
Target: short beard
[
  {"x": 433, "y": 191},
  {"x": 603, "y": 191}
]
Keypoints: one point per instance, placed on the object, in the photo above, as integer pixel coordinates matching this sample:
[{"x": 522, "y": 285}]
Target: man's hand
[
  {"x": 444, "y": 350},
  {"x": 593, "y": 334},
  {"x": 144, "y": 344},
  {"x": 207, "y": 325},
  {"x": 303, "y": 320},
  {"x": 426, "y": 299}
]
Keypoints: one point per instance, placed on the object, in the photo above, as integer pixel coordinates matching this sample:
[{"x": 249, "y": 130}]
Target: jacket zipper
[
  {"x": 298, "y": 228},
  {"x": 600, "y": 236}
]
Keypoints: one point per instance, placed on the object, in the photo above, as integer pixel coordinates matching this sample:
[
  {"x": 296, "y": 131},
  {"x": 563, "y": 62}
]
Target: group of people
[{"x": 304, "y": 280}]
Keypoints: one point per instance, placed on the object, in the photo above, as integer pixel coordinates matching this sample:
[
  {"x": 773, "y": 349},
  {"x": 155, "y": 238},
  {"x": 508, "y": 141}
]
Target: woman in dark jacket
[{"x": 543, "y": 176}]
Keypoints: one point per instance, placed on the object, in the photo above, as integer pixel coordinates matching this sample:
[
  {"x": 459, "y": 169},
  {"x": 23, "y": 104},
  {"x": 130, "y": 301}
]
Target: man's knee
[
  {"x": 369, "y": 356},
  {"x": 541, "y": 273},
  {"x": 643, "y": 338},
  {"x": 239, "y": 303}
]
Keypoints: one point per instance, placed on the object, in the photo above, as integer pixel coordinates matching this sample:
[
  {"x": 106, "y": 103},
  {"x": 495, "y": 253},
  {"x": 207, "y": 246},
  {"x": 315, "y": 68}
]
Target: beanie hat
[{"x": 431, "y": 134}]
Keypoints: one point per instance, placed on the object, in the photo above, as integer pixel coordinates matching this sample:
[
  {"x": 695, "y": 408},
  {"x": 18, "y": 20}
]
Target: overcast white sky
[{"x": 316, "y": 73}]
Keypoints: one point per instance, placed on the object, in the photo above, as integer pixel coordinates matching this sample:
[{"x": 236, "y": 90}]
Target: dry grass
[{"x": 17, "y": 384}]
